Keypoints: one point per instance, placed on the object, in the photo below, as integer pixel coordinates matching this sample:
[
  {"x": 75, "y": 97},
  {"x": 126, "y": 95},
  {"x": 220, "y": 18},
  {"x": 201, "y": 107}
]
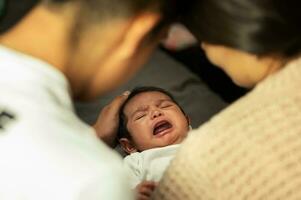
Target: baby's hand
[{"x": 145, "y": 190}]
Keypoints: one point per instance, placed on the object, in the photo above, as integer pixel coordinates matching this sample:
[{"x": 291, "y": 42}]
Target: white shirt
[
  {"x": 150, "y": 164},
  {"x": 46, "y": 152}
]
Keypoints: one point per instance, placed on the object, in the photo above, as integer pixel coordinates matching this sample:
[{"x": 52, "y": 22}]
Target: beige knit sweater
[{"x": 251, "y": 150}]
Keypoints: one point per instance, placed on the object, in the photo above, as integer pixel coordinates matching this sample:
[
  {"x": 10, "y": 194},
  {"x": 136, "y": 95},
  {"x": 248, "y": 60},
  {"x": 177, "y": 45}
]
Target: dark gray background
[{"x": 198, "y": 101}]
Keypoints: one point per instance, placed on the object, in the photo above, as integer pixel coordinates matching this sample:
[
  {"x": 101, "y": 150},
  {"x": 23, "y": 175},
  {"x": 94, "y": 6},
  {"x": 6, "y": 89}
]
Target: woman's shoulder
[
  {"x": 273, "y": 105},
  {"x": 258, "y": 130}
]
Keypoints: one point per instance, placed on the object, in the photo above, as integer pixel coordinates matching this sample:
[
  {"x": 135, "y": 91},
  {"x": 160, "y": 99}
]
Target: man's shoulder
[{"x": 56, "y": 134}]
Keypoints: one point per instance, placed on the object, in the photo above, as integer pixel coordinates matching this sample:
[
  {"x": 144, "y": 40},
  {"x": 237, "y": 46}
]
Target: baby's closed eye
[
  {"x": 140, "y": 116},
  {"x": 166, "y": 105}
]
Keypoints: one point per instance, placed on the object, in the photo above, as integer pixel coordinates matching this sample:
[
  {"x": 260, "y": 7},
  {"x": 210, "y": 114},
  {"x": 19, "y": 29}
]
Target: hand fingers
[
  {"x": 146, "y": 188},
  {"x": 149, "y": 184},
  {"x": 121, "y": 98},
  {"x": 115, "y": 105},
  {"x": 142, "y": 197},
  {"x": 146, "y": 191}
]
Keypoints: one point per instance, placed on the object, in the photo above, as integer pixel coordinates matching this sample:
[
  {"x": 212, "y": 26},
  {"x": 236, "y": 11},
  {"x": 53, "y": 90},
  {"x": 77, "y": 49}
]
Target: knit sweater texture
[{"x": 251, "y": 150}]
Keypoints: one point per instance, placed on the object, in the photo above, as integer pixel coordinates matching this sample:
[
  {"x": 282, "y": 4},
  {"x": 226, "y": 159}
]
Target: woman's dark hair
[
  {"x": 261, "y": 27},
  {"x": 122, "y": 129}
]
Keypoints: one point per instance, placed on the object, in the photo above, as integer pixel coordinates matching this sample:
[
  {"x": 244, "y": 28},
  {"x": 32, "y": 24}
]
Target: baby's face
[{"x": 154, "y": 120}]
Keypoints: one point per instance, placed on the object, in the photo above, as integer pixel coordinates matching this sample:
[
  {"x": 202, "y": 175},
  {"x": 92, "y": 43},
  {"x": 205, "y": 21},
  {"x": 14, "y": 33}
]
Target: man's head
[
  {"x": 97, "y": 44},
  {"x": 151, "y": 118}
]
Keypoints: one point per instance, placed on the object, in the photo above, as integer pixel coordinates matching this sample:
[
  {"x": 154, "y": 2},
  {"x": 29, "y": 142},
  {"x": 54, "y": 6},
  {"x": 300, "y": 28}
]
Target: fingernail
[{"x": 126, "y": 93}]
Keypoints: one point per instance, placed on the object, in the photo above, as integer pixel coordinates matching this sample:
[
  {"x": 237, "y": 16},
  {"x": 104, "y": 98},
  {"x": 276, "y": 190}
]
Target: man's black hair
[
  {"x": 122, "y": 128},
  {"x": 12, "y": 11},
  {"x": 105, "y": 10},
  {"x": 94, "y": 10}
]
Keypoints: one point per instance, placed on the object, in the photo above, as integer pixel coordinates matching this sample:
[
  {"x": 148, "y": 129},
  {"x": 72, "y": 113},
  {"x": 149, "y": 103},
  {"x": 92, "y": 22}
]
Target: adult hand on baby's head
[
  {"x": 106, "y": 125},
  {"x": 145, "y": 190}
]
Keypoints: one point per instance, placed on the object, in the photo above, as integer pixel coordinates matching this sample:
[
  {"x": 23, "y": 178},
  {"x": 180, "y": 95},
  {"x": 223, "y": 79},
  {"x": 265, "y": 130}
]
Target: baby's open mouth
[{"x": 161, "y": 127}]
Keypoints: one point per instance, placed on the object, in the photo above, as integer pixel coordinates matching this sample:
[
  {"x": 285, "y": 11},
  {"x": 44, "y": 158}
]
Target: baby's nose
[{"x": 156, "y": 113}]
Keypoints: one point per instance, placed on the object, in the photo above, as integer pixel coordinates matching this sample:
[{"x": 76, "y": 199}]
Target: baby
[{"x": 151, "y": 125}]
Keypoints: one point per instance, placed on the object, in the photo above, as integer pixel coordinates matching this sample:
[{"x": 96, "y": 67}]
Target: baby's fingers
[{"x": 142, "y": 197}]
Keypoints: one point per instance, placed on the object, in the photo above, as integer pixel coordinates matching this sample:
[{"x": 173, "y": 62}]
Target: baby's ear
[
  {"x": 127, "y": 145},
  {"x": 188, "y": 120}
]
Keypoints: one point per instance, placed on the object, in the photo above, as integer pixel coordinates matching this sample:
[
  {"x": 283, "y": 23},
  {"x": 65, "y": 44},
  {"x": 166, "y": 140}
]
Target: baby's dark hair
[{"x": 122, "y": 129}]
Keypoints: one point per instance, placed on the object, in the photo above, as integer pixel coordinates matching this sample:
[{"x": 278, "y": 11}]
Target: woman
[{"x": 251, "y": 150}]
